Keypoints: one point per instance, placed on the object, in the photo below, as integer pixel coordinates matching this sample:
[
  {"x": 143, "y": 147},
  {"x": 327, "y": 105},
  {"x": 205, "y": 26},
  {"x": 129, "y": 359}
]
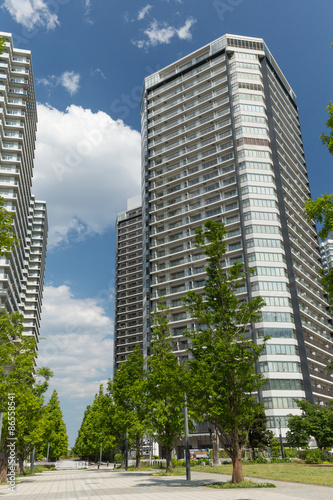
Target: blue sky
[{"x": 89, "y": 59}]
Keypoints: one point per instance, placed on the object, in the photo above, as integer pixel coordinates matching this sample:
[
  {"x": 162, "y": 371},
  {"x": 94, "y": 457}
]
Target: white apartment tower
[
  {"x": 221, "y": 140},
  {"x": 326, "y": 252},
  {"x": 22, "y": 273},
  {"x": 128, "y": 282}
]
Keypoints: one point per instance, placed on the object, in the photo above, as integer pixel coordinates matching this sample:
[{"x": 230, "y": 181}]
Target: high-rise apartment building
[
  {"x": 128, "y": 283},
  {"x": 221, "y": 140},
  {"x": 22, "y": 273},
  {"x": 326, "y": 252}
]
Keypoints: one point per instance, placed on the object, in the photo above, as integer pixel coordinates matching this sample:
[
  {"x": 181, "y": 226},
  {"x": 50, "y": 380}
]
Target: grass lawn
[{"x": 299, "y": 473}]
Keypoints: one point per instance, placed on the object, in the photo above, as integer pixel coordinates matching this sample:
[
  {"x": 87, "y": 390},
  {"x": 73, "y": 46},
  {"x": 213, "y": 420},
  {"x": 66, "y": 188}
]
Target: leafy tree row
[{"x": 221, "y": 381}]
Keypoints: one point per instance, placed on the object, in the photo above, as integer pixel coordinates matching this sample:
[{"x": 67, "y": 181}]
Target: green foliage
[
  {"x": 259, "y": 436},
  {"x": 316, "y": 421},
  {"x": 327, "y": 140},
  {"x": 129, "y": 389},
  {"x": 260, "y": 460},
  {"x": 275, "y": 448},
  {"x": 26, "y": 385},
  {"x": 8, "y": 239},
  {"x": 118, "y": 458},
  {"x": 223, "y": 375},
  {"x": 244, "y": 484},
  {"x": 165, "y": 387},
  {"x": 2, "y": 44},
  {"x": 321, "y": 211},
  {"x": 291, "y": 452},
  {"x": 55, "y": 430},
  {"x": 96, "y": 427},
  {"x": 314, "y": 456}
]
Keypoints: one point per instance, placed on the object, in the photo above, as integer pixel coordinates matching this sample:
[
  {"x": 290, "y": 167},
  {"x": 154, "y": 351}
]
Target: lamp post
[
  {"x": 187, "y": 447},
  {"x": 48, "y": 450},
  {"x": 126, "y": 452},
  {"x": 101, "y": 450},
  {"x": 6, "y": 369},
  {"x": 281, "y": 442}
]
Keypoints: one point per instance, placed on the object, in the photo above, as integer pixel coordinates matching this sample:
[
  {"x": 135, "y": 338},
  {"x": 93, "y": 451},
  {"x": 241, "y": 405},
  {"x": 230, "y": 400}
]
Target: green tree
[
  {"x": 315, "y": 421},
  {"x": 129, "y": 394},
  {"x": 259, "y": 436},
  {"x": 166, "y": 384},
  {"x": 224, "y": 380},
  {"x": 96, "y": 428},
  {"x": 2, "y": 44},
  {"x": 20, "y": 392},
  {"x": 55, "y": 432},
  {"x": 327, "y": 140},
  {"x": 31, "y": 421}
]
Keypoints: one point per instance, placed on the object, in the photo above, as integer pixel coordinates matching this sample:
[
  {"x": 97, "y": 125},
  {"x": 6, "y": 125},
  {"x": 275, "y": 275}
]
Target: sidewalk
[{"x": 105, "y": 484}]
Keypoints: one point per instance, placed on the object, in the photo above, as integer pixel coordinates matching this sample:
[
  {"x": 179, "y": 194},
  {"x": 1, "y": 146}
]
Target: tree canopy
[
  {"x": 316, "y": 421},
  {"x": 224, "y": 380}
]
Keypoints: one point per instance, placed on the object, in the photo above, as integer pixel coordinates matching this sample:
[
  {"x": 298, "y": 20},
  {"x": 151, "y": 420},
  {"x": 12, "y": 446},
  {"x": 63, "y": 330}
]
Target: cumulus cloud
[
  {"x": 86, "y": 166},
  {"x": 158, "y": 33},
  {"x": 143, "y": 12},
  {"x": 78, "y": 343},
  {"x": 31, "y": 13},
  {"x": 78, "y": 347},
  {"x": 69, "y": 80}
]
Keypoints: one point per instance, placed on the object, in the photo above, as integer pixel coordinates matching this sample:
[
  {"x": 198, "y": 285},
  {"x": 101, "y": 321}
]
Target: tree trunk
[
  {"x": 122, "y": 465},
  {"x": 237, "y": 466},
  {"x": 138, "y": 452},
  {"x": 4, "y": 465},
  {"x": 20, "y": 464},
  {"x": 168, "y": 459},
  {"x": 216, "y": 458}
]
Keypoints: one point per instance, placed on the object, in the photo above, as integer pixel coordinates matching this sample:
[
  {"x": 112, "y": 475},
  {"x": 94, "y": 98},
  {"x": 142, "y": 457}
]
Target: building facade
[
  {"x": 221, "y": 140},
  {"x": 326, "y": 252},
  {"x": 22, "y": 273},
  {"x": 128, "y": 282}
]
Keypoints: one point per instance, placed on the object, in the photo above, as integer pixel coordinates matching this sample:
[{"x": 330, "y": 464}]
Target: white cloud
[
  {"x": 31, "y": 13},
  {"x": 158, "y": 33},
  {"x": 87, "y": 165},
  {"x": 78, "y": 343},
  {"x": 184, "y": 32},
  {"x": 143, "y": 12},
  {"x": 69, "y": 80},
  {"x": 99, "y": 72}
]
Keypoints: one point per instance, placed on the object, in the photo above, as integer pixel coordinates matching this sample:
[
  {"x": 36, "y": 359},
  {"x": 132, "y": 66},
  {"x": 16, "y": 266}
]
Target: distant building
[
  {"x": 221, "y": 140},
  {"x": 326, "y": 252},
  {"x": 22, "y": 273},
  {"x": 128, "y": 285}
]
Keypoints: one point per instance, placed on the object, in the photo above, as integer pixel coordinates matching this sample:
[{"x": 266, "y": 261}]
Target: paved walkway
[{"x": 105, "y": 484}]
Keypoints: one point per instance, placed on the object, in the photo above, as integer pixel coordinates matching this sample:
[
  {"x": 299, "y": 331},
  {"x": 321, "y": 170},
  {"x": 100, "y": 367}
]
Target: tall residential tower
[
  {"x": 22, "y": 273},
  {"x": 221, "y": 140},
  {"x": 128, "y": 285}
]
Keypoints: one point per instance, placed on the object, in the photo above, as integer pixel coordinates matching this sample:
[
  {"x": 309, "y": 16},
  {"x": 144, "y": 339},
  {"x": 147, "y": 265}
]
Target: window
[
  {"x": 261, "y": 216},
  {"x": 280, "y": 349},
  {"x": 284, "y": 385},
  {"x": 258, "y": 190},
  {"x": 285, "y": 333},
  {"x": 277, "y": 301},
  {"x": 257, "y": 202},
  {"x": 277, "y": 316},
  {"x": 280, "y": 366},
  {"x": 264, "y": 242},
  {"x": 269, "y": 271},
  {"x": 270, "y": 286},
  {"x": 259, "y": 228},
  {"x": 280, "y": 403},
  {"x": 266, "y": 256}
]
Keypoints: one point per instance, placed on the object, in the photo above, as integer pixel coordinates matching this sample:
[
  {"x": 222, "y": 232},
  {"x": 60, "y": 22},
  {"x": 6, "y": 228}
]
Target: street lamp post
[
  {"x": 281, "y": 442},
  {"x": 187, "y": 447},
  {"x": 48, "y": 450},
  {"x": 126, "y": 452},
  {"x": 101, "y": 450}
]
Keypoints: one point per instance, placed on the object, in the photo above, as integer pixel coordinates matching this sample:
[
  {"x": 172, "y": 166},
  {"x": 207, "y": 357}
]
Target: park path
[{"x": 105, "y": 484}]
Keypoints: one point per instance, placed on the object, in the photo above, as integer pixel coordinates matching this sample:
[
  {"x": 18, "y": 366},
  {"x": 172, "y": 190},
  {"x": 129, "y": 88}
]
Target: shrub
[
  {"x": 275, "y": 448},
  {"x": 260, "y": 460},
  {"x": 291, "y": 452},
  {"x": 275, "y": 460},
  {"x": 316, "y": 456},
  {"x": 156, "y": 457},
  {"x": 118, "y": 457}
]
